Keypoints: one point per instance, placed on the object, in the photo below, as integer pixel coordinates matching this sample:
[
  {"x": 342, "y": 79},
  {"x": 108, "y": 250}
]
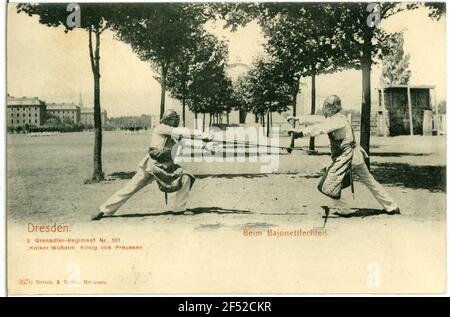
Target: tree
[
  {"x": 159, "y": 33},
  {"x": 201, "y": 50},
  {"x": 395, "y": 63},
  {"x": 94, "y": 21},
  {"x": 267, "y": 89},
  {"x": 359, "y": 24},
  {"x": 52, "y": 122},
  {"x": 243, "y": 95},
  {"x": 206, "y": 78},
  {"x": 224, "y": 98},
  {"x": 436, "y": 10},
  {"x": 304, "y": 41}
]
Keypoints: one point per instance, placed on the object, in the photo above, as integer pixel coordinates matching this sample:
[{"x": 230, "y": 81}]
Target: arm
[
  {"x": 326, "y": 126},
  {"x": 180, "y": 132},
  {"x": 306, "y": 120},
  {"x": 174, "y": 133},
  {"x": 312, "y": 119}
]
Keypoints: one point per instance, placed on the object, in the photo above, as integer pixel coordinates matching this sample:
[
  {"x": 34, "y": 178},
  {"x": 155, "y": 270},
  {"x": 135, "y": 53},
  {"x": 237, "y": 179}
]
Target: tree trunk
[
  {"x": 184, "y": 111},
  {"x": 366, "y": 64},
  {"x": 268, "y": 123},
  {"x": 195, "y": 121},
  {"x": 210, "y": 119},
  {"x": 242, "y": 115},
  {"x": 228, "y": 118},
  {"x": 163, "y": 91},
  {"x": 256, "y": 118},
  {"x": 271, "y": 122},
  {"x": 204, "y": 122},
  {"x": 95, "y": 63},
  {"x": 313, "y": 106},
  {"x": 294, "y": 107}
]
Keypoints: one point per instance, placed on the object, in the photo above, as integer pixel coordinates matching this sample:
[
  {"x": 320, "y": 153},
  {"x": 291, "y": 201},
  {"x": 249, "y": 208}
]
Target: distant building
[
  {"x": 25, "y": 110},
  {"x": 64, "y": 111},
  {"x": 87, "y": 116}
]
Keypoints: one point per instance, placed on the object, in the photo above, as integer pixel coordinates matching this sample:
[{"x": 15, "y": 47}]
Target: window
[
  {"x": 17, "y": 121},
  {"x": 35, "y": 114},
  {"x": 35, "y": 121},
  {"x": 12, "y": 121},
  {"x": 23, "y": 121}
]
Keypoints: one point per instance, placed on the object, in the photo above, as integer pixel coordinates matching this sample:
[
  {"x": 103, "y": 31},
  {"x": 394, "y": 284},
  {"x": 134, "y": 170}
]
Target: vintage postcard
[{"x": 226, "y": 148}]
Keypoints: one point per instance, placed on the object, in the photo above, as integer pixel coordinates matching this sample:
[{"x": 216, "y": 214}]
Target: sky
[{"x": 55, "y": 66}]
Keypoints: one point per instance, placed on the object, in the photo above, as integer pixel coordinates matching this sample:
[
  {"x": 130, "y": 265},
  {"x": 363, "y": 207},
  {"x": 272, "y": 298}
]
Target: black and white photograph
[{"x": 225, "y": 148}]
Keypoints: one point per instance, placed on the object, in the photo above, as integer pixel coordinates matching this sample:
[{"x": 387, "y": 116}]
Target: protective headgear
[
  {"x": 169, "y": 114},
  {"x": 331, "y": 105}
]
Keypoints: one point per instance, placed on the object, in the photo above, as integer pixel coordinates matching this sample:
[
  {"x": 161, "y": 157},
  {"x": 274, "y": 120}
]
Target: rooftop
[
  {"x": 410, "y": 86},
  {"x": 62, "y": 106},
  {"x": 23, "y": 101}
]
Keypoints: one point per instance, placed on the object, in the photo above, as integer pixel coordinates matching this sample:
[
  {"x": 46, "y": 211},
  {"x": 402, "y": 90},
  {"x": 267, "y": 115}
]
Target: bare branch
[{"x": 106, "y": 26}]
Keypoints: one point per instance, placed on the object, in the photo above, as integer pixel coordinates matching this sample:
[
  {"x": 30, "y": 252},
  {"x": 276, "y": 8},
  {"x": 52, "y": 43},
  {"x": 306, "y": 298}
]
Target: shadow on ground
[
  {"x": 358, "y": 212},
  {"x": 191, "y": 211},
  {"x": 432, "y": 178},
  {"x": 397, "y": 154},
  {"x": 379, "y": 154},
  {"x": 129, "y": 175}
]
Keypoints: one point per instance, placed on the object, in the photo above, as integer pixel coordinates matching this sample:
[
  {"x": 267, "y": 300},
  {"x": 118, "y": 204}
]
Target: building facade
[
  {"x": 66, "y": 112},
  {"x": 87, "y": 116},
  {"x": 25, "y": 111}
]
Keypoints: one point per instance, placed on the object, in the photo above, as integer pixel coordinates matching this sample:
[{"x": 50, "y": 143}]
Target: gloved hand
[{"x": 297, "y": 134}]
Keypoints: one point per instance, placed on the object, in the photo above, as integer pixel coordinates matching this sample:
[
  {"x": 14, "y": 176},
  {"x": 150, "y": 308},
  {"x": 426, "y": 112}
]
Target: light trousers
[
  {"x": 139, "y": 181},
  {"x": 377, "y": 190}
]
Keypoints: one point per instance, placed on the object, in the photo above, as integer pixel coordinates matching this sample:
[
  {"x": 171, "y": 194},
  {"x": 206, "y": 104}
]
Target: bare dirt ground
[
  {"x": 45, "y": 185},
  {"x": 45, "y": 180}
]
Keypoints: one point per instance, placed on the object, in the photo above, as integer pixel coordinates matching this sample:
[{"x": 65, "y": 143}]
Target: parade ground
[
  {"x": 240, "y": 220},
  {"x": 46, "y": 181}
]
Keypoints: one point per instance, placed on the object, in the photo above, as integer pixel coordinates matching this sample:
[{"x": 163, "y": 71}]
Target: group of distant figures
[
  {"x": 48, "y": 133},
  {"x": 126, "y": 130},
  {"x": 134, "y": 130}
]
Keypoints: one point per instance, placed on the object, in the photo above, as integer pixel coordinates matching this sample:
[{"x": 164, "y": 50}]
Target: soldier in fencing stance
[
  {"x": 347, "y": 157},
  {"x": 157, "y": 165}
]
